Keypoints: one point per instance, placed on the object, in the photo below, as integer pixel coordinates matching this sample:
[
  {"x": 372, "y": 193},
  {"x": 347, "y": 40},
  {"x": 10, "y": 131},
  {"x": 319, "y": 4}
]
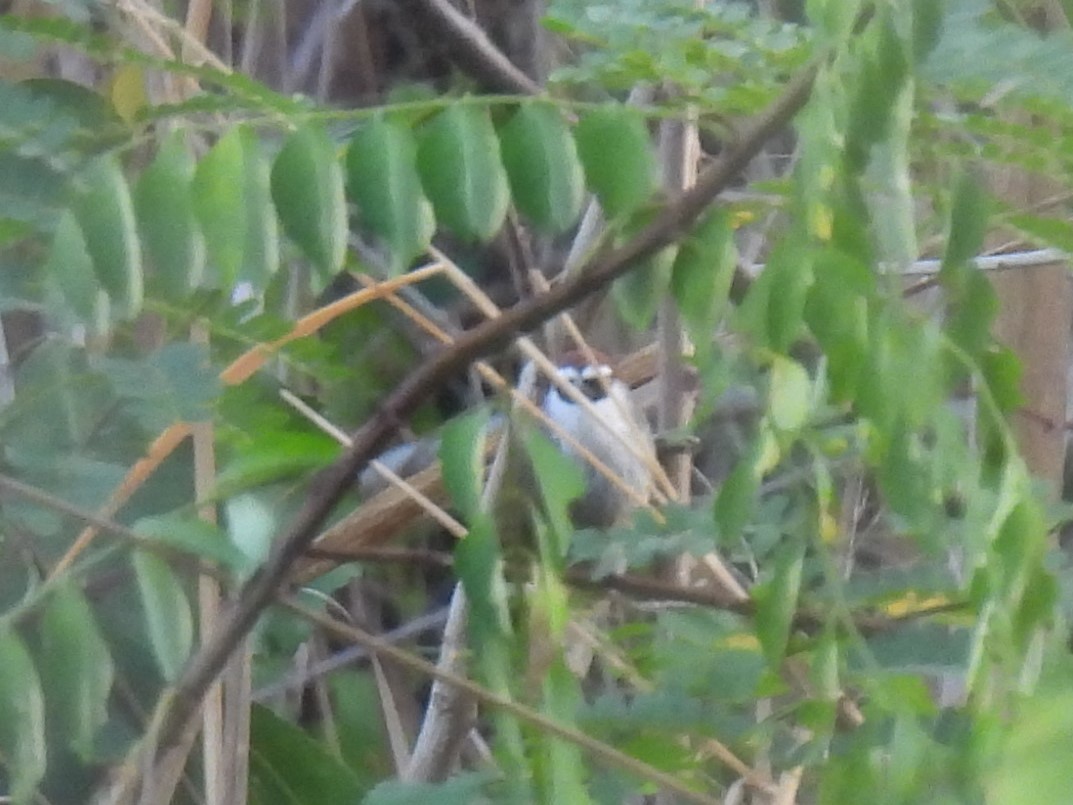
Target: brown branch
[
  {"x": 470, "y": 48},
  {"x": 171, "y": 553},
  {"x": 179, "y": 705}
]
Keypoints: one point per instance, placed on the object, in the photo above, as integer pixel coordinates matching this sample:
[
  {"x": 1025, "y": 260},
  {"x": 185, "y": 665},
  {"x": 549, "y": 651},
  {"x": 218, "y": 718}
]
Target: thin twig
[{"x": 599, "y": 750}]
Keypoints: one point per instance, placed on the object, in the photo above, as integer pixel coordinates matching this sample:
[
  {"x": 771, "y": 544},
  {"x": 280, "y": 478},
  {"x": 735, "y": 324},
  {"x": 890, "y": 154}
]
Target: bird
[{"x": 611, "y": 428}]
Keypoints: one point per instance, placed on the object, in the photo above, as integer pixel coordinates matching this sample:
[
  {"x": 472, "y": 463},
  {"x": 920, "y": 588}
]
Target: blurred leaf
[
  {"x": 461, "y": 789},
  {"x": 176, "y": 383},
  {"x": 619, "y": 165},
  {"x": 307, "y": 187},
  {"x": 362, "y": 740},
  {"x": 565, "y": 764},
  {"x": 70, "y": 264},
  {"x": 168, "y": 620},
  {"x": 277, "y": 454},
  {"x": 22, "y": 720},
  {"x": 287, "y": 765},
  {"x": 383, "y": 180},
  {"x": 220, "y": 205},
  {"x": 170, "y": 234},
  {"x": 836, "y": 312},
  {"x": 193, "y": 535},
  {"x": 1056, "y": 232},
  {"x": 76, "y": 667},
  {"x": 541, "y": 159},
  {"x": 776, "y": 601},
  {"x": 462, "y": 455},
  {"x": 790, "y": 394},
  {"x": 1001, "y": 370},
  {"x": 927, "y": 27},
  {"x": 737, "y": 497},
  {"x": 968, "y": 224},
  {"x": 638, "y": 293},
  {"x": 127, "y": 91},
  {"x": 888, "y": 184},
  {"x": 106, "y": 215},
  {"x": 1033, "y": 766},
  {"x": 261, "y": 251},
  {"x": 458, "y": 158},
  {"x": 773, "y": 309},
  {"x": 561, "y": 482},
  {"x": 251, "y": 524},
  {"x": 703, "y": 272},
  {"x": 880, "y": 79}
]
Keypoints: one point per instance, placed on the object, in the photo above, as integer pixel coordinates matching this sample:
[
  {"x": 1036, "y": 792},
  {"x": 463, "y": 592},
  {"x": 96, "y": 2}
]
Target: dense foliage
[{"x": 178, "y": 256}]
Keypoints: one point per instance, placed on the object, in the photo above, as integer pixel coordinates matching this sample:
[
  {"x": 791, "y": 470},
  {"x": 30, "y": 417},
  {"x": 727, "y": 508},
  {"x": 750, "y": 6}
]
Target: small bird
[{"x": 613, "y": 430}]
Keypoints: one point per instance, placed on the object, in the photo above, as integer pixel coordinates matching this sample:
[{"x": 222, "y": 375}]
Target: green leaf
[
  {"x": 77, "y": 668},
  {"x": 1001, "y": 370},
  {"x": 968, "y": 224},
  {"x": 776, "y": 601},
  {"x": 541, "y": 159},
  {"x": 170, "y": 234},
  {"x": 927, "y": 27},
  {"x": 774, "y": 308},
  {"x": 561, "y": 481},
  {"x": 252, "y": 520},
  {"x": 70, "y": 264},
  {"x": 288, "y": 765},
  {"x": 703, "y": 272},
  {"x": 462, "y": 456},
  {"x": 193, "y": 535},
  {"x": 220, "y": 205},
  {"x": 384, "y": 182},
  {"x": 880, "y": 80},
  {"x": 106, "y": 215},
  {"x": 461, "y": 789},
  {"x": 1033, "y": 767},
  {"x": 836, "y": 311},
  {"x": 175, "y": 383},
  {"x": 458, "y": 159},
  {"x": 790, "y": 394},
  {"x": 737, "y": 497},
  {"x": 22, "y": 720},
  {"x": 638, "y": 293},
  {"x": 167, "y": 613},
  {"x": 233, "y": 205},
  {"x": 260, "y": 254},
  {"x": 276, "y": 454},
  {"x": 619, "y": 165},
  {"x": 307, "y": 186}
]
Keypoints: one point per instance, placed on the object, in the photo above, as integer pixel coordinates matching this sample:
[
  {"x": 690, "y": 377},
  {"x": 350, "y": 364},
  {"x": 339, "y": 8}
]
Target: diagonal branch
[
  {"x": 471, "y": 49},
  {"x": 178, "y": 706}
]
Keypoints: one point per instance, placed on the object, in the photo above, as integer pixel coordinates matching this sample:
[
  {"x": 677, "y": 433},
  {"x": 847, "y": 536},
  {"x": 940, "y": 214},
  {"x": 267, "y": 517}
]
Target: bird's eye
[{"x": 592, "y": 388}]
